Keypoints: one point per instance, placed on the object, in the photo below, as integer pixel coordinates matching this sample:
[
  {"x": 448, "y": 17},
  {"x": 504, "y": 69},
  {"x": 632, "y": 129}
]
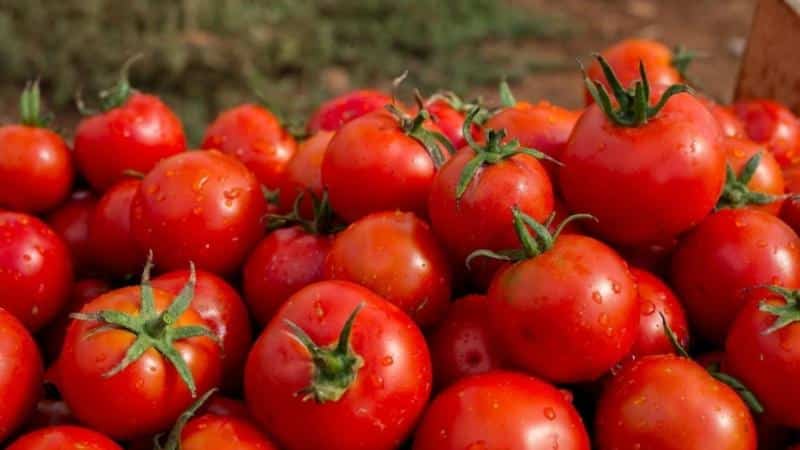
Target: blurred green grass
[{"x": 205, "y": 55}]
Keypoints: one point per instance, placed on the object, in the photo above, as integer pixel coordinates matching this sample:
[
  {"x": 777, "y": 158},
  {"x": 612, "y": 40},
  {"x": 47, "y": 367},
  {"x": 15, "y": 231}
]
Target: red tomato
[
  {"x": 665, "y": 402},
  {"x": 254, "y": 136},
  {"x": 761, "y": 188},
  {"x": 501, "y": 410},
  {"x": 728, "y": 122},
  {"x": 730, "y": 251},
  {"x": 304, "y": 172},
  {"x": 223, "y": 433},
  {"x": 657, "y": 299},
  {"x": 334, "y": 113},
  {"x": 219, "y": 405},
  {"x": 462, "y": 344},
  {"x": 378, "y": 163},
  {"x": 763, "y": 352},
  {"x": 653, "y": 257},
  {"x": 36, "y": 171},
  {"x": 113, "y": 249},
  {"x": 201, "y": 206},
  {"x": 35, "y": 270},
  {"x": 790, "y": 212},
  {"x": 71, "y": 221},
  {"x": 65, "y": 437},
  {"x": 21, "y": 374},
  {"x": 772, "y": 124},
  {"x": 449, "y": 118},
  {"x": 338, "y": 367},
  {"x": 225, "y": 313},
  {"x": 395, "y": 255}
]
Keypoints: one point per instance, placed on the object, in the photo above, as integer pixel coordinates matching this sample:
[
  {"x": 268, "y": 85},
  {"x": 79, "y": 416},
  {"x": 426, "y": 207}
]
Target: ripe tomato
[
  {"x": 762, "y": 351},
  {"x": 71, "y": 221},
  {"x": 790, "y": 212},
  {"x": 395, "y": 255},
  {"x": 113, "y": 249},
  {"x": 396, "y": 157},
  {"x": 137, "y": 350},
  {"x": 666, "y": 402},
  {"x": 219, "y": 405},
  {"x": 304, "y": 173},
  {"x": 730, "y": 251},
  {"x": 35, "y": 270},
  {"x": 36, "y": 171},
  {"x": 656, "y": 299},
  {"x": 448, "y": 112},
  {"x": 729, "y": 123},
  {"x": 331, "y": 115},
  {"x": 64, "y": 437},
  {"x": 501, "y": 410},
  {"x": 201, "y": 206},
  {"x": 254, "y": 136},
  {"x": 338, "y": 357},
  {"x": 21, "y": 374},
  {"x": 755, "y": 177},
  {"x": 772, "y": 124},
  {"x": 654, "y": 257},
  {"x": 463, "y": 344}
]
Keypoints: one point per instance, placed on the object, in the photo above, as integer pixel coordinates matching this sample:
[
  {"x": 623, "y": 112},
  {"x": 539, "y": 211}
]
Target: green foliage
[{"x": 204, "y": 55}]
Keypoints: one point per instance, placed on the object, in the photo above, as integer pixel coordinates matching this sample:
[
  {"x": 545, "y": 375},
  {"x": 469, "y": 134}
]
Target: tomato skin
[
  {"x": 730, "y": 251},
  {"x": 150, "y": 391},
  {"x": 767, "y": 178},
  {"x": 463, "y": 344},
  {"x": 501, "y": 410},
  {"x": 71, "y": 221},
  {"x": 223, "y": 433},
  {"x": 113, "y": 248},
  {"x": 225, "y": 406},
  {"x": 729, "y": 123},
  {"x": 567, "y": 315},
  {"x": 625, "y": 176},
  {"x": 395, "y": 255},
  {"x": 665, "y": 402},
  {"x": 656, "y": 298},
  {"x": 35, "y": 270},
  {"x": 286, "y": 261},
  {"x": 201, "y": 206},
  {"x": 770, "y": 123},
  {"x": 21, "y": 374},
  {"x": 333, "y": 114},
  {"x": 254, "y": 136},
  {"x": 655, "y": 257},
  {"x": 134, "y": 136},
  {"x": 373, "y": 151},
  {"x": 64, "y": 437},
  {"x": 304, "y": 173},
  {"x": 451, "y": 122},
  {"x": 36, "y": 171},
  {"x": 790, "y": 211},
  {"x": 388, "y": 395}
]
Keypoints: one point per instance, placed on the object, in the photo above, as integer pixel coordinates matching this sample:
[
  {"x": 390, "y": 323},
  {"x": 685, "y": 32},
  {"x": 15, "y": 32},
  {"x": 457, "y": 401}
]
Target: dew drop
[{"x": 550, "y": 413}]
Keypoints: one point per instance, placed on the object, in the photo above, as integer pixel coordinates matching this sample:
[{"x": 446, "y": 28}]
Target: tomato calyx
[
  {"x": 633, "y": 104},
  {"x": 786, "y": 314},
  {"x": 736, "y": 194},
  {"x": 115, "y": 96},
  {"x": 174, "y": 438},
  {"x": 506, "y": 96},
  {"x": 323, "y": 221},
  {"x": 414, "y": 128},
  {"x": 335, "y": 366},
  {"x": 30, "y": 107},
  {"x": 153, "y": 329},
  {"x": 682, "y": 57}
]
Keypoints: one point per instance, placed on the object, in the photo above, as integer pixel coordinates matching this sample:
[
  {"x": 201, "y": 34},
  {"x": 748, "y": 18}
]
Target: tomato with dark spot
[
  {"x": 21, "y": 374},
  {"x": 64, "y": 437},
  {"x": 656, "y": 299},
  {"x": 71, "y": 221},
  {"x": 304, "y": 173},
  {"x": 767, "y": 178},
  {"x": 114, "y": 251},
  {"x": 772, "y": 124},
  {"x": 331, "y": 115}
]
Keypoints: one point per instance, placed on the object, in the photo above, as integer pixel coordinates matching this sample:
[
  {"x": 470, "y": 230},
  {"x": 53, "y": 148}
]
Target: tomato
[
  {"x": 132, "y": 132},
  {"x": 35, "y": 270},
  {"x": 71, "y": 221},
  {"x": 223, "y": 433},
  {"x": 201, "y": 206},
  {"x": 113, "y": 249},
  {"x": 648, "y": 179},
  {"x": 790, "y": 211},
  {"x": 463, "y": 344},
  {"x": 219, "y": 405},
  {"x": 762, "y": 351},
  {"x": 331, "y": 115},
  {"x": 225, "y": 313},
  {"x": 755, "y": 179},
  {"x": 656, "y": 299},
  {"x": 395, "y": 255},
  {"x": 254, "y": 136},
  {"x": 36, "y": 171},
  {"x": 655, "y": 257},
  {"x": 729, "y": 123},
  {"x": 137, "y": 350},
  {"x": 447, "y": 111},
  {"x": 567, "y": 311},
  {"x": 21, "y": 374},
  {"x": 501, "y": 410},
  {"x": 304, "y": 172},
  {"x": 730, "y": 251},
  {"x": 772, "y": 124},
  {"x": 64, "y": 437},
  {"x": 396, "y": 157},
  {"x": 666, "y": 402},
  {"x": 338, "y": 368}
]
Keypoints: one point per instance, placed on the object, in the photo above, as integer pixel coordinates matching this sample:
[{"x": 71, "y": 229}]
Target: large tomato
[
  {"x": 338, "y": 368},
  {"x": 666, "y": 402},
  {"x": 35, "y": 164},
  {"x": 35, "y": 270},
  {"x": 113, "y": 249},
  {"x": 304, "y": 173},
  {"x": 201, "y": 206},
  {"x": 730, "y": 251},
  {"x": 656, "y": 300},
  {"x": 501, "y": 410},
  {"x": 64, "y": 437},
  {"x": 772, "y": 124},
  {"x": 21, "y": 374},
  {"x": 71, "y": 221},
  {"x": 754, "y": 177},
  {"x": 646, "y": 172},
  {"x": 331, "y": 115}
]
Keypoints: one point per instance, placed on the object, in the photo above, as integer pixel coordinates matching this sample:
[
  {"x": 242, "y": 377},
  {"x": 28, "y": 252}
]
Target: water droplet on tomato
[
  {"x": 387, "y": 360},
  {"x": 550, "y": 413},
  {"x": 648, "y": 308}
]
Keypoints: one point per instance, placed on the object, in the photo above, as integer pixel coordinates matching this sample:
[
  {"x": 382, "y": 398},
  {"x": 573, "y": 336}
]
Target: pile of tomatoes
[{"x": 442, "y": 276}]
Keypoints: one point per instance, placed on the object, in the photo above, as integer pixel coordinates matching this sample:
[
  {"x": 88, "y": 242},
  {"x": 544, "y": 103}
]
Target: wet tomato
[
  {"x": 21, "y": 374},
  {"x": 114, "y": 251},
  {"x": 772, "y": 124},
  {"x": 656, "y": 300},
  {"x": 304, "y": 173},
  {"x": 64, "y": 437},
  {"x": 331, "y": 115},
  {"x": 71, "y": 221},
  {"x": 755, "y": 178}
]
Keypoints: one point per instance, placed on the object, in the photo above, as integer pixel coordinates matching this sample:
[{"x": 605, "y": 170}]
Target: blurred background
[{"x": 205, "y": 55}]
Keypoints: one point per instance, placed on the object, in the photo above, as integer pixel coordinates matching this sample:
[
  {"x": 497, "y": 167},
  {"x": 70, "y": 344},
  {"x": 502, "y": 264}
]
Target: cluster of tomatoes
[{"x": 445, "y": 276}]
